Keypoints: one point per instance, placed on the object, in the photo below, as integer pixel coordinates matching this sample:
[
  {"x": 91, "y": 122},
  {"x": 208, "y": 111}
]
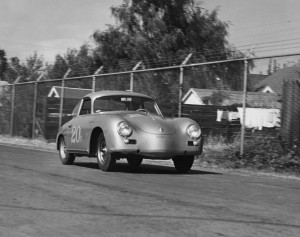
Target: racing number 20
[{"x": 76, "y": 134}]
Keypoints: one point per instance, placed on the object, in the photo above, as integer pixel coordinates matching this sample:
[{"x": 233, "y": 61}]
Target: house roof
[
  {"x": 254, "y": 99},
  {"x": 275, "y": 81},
  {"x": 254, "y": 79},
  {"x": 71, "y": 93}
]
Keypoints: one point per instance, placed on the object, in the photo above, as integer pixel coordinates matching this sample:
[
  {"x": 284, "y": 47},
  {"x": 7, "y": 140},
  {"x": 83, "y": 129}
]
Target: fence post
[
  {"x": 62, "y": 95},
  {"x": 131, "y": 74},
  {"x": 35, "y": 105},
  {"x": 295, "y": 114},
  {"x": 181, "y": 83},
  {"x": 94, "y": 78},
  {"x": 244, "y": 106},
  {"x": 12, "y": 109},
  {"x": 298, "y": 113}
]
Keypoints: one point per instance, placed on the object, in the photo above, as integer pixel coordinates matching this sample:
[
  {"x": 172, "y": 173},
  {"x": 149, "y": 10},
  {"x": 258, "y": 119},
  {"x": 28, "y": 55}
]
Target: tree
[
  {"x": 81, "y": 62},
  {"x": 3, "y": 64},
  {"x": 156, "y": 30},
  {"x": 162, "y": 33},
  {"x": 33, "y": 67},
  {"x": 59, "y": 68},
  {"x": 14, "y": 69}
]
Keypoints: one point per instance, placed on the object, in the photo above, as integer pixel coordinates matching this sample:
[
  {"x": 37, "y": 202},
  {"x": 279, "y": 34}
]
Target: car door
[{"x": 80, "y": 129}]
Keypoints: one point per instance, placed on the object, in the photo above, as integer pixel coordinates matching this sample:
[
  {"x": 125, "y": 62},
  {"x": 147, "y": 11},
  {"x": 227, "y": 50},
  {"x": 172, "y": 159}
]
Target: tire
[
  {"x": 66, "y": 158},
  {"x": 134, "y": 162},
  {"x": 106, "y": 160},
  {"x": 183, "y": 163}
]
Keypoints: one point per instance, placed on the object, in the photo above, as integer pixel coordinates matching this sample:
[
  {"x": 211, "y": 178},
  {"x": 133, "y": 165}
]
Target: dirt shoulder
[
  {"x": 43, "y": 145},
  {"x": 37, "y": 144}
]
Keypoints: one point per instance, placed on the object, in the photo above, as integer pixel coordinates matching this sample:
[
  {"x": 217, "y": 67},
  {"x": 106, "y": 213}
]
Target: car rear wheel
[
  {"x": 134, "y": 161},
  {"x": 106, "y": 160},
  {"x": 183, "y": 163},
  {"x": 65, "y": 157}
]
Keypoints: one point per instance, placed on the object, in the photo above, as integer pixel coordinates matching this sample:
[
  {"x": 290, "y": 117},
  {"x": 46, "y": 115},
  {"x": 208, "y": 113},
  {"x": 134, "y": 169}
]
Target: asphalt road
[{"x": 41, "y": 197}]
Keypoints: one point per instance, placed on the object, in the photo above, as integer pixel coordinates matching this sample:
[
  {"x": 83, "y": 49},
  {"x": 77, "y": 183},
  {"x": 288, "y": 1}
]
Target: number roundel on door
[{"x": 76, "y": 134}]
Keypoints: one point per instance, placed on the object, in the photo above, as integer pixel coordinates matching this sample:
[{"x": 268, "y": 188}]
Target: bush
[{"x": 260, "y": 153}]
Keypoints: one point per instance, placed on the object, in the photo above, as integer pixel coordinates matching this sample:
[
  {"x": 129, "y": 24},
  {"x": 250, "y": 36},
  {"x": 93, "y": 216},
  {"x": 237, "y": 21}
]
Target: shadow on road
[{"x": 145, "y": 169}]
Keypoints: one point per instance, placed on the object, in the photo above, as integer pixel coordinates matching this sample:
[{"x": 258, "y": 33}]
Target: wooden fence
[{"x": 206, "y": 117}]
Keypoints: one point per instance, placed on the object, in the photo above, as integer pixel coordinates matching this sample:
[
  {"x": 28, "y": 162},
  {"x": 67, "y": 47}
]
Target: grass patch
[
  {"x": 260, "y": 153},
  {"x": 25, "y": 142}
]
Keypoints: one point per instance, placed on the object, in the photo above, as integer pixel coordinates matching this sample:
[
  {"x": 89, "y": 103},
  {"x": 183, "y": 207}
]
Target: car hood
[{"x": 150, "y": 123}]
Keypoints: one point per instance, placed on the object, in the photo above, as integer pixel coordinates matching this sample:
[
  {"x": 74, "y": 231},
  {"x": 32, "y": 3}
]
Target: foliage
[
  {"x": 59, "y": 68},
  {"x": 163, "y": 33},
  {"x": 82, "y": 62},
  {"x": 273, "y": 66},
  {"x": 5, "y": 106},
  {"x": 3, "y": 64},
  {"x": 216, "y": 98},
  {"x": 260, "y": 153},
  {"x": 29, "y": 70},
  {"x": 158, "y": 33}
]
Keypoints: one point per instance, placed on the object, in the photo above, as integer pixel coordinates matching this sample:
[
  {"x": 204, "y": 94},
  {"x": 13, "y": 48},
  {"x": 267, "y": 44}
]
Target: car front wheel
[
  {"x": 106, "y": 160},
  {"x": 65, "y": 157},
  {"x": 183, "y": 163}
]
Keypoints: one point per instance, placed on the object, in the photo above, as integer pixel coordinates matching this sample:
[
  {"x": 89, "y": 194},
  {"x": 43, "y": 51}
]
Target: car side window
[{"x": 86, "y": 106}]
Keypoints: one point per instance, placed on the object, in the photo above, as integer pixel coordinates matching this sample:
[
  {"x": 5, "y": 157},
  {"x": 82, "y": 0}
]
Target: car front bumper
[{"x": 158, "y": 146}]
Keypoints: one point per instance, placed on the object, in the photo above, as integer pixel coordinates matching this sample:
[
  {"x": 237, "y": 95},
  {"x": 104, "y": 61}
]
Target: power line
[
  {"x": 281, "y": 33},
  {"x": 257, "y": 26},
  {"x": 165, "y": 61},
  {"x": 270, "y": 42},
  {"x": 277, "y": 49}
]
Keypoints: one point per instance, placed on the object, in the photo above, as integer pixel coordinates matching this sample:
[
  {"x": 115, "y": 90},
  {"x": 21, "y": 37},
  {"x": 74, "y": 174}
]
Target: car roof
[{"x": 97, "y": 94}]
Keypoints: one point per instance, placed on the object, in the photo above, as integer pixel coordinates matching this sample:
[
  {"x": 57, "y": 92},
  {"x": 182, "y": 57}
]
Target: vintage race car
[{"x": 111, "y": 125}]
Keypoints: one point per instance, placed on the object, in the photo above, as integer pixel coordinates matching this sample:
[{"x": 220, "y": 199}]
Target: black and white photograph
[{"x": 149, "y": 118}]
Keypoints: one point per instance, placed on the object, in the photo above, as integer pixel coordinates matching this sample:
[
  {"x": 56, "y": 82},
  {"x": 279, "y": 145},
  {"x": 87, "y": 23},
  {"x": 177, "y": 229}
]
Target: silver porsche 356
[{"x": 111, "y": 125}]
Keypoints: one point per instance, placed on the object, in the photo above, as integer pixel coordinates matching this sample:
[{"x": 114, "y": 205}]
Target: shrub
[{"x": 260, "y": 153}]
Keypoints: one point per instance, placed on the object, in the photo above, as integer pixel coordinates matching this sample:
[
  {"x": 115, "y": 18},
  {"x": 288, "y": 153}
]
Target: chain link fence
[{"x": 238, "y": 97}]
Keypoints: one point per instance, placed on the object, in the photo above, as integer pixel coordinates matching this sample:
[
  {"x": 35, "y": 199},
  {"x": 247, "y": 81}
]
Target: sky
[{"x": 50, "y": 27}]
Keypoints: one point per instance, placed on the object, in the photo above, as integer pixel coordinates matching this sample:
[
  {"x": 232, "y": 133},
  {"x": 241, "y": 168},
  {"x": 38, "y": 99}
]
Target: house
[
  {"x": 254, "y": 79},
  {"x": 70, "y": 93},
  {"x": 254, "y": 99},
  {"x": 274, "y": 82}
]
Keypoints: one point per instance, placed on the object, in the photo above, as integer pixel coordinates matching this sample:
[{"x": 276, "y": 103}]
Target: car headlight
[
  {"x": 194, "y": 131},
  {"x": 124, "y": 129}
]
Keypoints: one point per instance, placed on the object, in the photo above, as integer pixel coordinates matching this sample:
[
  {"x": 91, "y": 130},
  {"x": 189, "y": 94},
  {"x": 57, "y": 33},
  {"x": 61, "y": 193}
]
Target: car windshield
[{"x": 125, "y": 103}]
